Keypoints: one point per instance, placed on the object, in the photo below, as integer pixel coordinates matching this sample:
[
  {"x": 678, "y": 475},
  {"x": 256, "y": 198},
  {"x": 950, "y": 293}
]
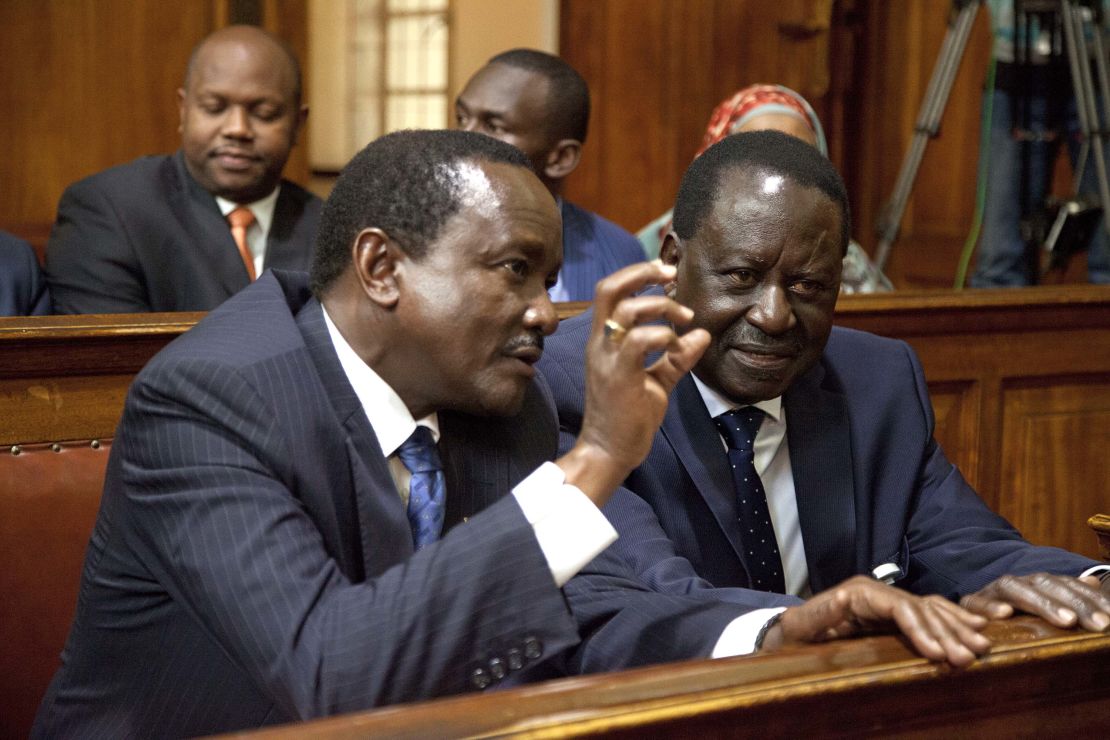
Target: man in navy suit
[
  {"x": 853, "y": 481},
  {"x": 156, "y": 234},
  {"x": 23, "y": 291},
  {"x": 268, "y": 546},
  {"x": 541, "y": 105}
]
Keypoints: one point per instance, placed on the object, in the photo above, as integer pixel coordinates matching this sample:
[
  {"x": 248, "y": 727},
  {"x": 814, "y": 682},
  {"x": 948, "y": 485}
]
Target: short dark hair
[
  {"x": 763, "y": 150},
  {"x": 405, "y": 184},
  {"x": 568, "y": 96},
  {"x": 282, "y": 44}
]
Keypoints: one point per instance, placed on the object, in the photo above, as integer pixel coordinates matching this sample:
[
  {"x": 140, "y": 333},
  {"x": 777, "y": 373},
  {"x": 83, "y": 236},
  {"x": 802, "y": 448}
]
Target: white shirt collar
[
  {"x": 387, "y": 413},
  {"x": 263, "y": 208},
  {"x": 718, "y": 404}
]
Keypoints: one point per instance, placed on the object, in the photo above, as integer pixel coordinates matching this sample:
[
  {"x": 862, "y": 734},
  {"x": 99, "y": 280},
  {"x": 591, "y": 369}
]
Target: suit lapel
[
  {"x": 282, "y": 250},
  {"x": 820, "y": 442},
  {"x": 697, "y": 444},
  {"x": 379, "y": 508},
  {"x": 200, "y": 216}
]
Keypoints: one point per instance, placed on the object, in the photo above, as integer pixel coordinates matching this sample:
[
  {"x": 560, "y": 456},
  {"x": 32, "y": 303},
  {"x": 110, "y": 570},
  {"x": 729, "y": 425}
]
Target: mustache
[
  {"x": 532, "y": 340},
  {"x": 752, "y": 338}
]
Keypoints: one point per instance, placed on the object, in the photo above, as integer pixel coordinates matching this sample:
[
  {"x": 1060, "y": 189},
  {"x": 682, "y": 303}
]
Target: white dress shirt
[
  {"x": 259, "y": 231},
  {"x": 571, "y": 531},
  {"x": 772, "y": 463}
]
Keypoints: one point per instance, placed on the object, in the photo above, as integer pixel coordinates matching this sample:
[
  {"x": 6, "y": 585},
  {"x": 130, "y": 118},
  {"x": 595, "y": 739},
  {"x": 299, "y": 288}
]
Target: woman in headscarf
[{"x": 760, "y": 107}]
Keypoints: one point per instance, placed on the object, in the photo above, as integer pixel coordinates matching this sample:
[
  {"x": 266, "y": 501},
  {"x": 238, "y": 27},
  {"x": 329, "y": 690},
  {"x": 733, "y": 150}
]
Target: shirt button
[
  {"x": 497, "y": 668},
  {"x": 515, "y": 659}
]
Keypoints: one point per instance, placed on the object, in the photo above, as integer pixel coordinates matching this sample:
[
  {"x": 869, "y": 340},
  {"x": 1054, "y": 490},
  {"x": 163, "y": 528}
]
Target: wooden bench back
[{"x": 62, "y": 385}]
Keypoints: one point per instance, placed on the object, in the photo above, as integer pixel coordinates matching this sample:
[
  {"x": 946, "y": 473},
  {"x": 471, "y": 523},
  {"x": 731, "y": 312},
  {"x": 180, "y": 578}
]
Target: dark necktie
[
  {"x": 427, "y": 490},
  {"x": 757, "y": 534}
]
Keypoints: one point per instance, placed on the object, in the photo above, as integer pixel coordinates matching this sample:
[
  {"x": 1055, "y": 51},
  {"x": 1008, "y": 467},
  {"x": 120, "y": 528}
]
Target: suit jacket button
[
  {"x": 497, "y": 668},
  {"x": 533, "y": 648},
  {"x": 480, "y": 678},
  {"x": 515, "y": 659}
]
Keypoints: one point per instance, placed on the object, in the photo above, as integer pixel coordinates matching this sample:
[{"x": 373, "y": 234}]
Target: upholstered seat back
[{"x": 49, "y": 496}]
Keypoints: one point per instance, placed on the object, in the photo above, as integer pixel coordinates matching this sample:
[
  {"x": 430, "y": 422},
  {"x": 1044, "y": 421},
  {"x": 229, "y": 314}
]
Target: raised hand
[
  {"x": 937, "y": 628},
  {"x": 626, "y": 401},
  {"x": 1061, "y": 600}
]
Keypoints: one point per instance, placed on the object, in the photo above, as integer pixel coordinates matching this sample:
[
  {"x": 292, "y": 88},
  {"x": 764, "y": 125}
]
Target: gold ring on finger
[{"x": 614, "y": 330}]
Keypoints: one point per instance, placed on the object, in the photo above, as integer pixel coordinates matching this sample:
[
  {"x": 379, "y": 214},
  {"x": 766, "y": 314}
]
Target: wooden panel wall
[
  {"x": 657, "y": 68},
  {"x": 88, "y": 84},
  {"x": 1020, "y": 383}
]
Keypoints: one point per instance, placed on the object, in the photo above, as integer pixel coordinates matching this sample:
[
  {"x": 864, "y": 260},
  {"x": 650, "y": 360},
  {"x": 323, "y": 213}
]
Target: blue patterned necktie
[
  {"x": 757, "y": 534},
  {"x": 427, "y": 490}
]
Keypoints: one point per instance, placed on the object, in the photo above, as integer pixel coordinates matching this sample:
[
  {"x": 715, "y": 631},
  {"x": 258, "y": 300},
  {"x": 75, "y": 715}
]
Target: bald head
[
  {"x": 240, "y": 112},
  {"x": 257, "y": 41}
]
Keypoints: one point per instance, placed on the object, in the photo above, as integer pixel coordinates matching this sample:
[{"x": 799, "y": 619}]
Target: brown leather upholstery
[{"x": 49, "y": 496}]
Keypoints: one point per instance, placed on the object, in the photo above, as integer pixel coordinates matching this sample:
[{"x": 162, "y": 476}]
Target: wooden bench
[
  {"x": 62, "y": 386},
  {"x": 1038, "y": 681}
]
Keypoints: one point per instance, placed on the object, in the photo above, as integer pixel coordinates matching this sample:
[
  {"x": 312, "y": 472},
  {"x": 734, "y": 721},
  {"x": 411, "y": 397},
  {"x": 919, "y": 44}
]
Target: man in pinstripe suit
[{"x": 252, "y": 562}]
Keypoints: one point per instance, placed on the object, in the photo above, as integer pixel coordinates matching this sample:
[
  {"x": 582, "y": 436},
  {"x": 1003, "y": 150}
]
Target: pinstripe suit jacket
[
  {"x": 872, "y": 487},
  {"x": 252, "y": 562},
  {"x": 593, "y": 247}
]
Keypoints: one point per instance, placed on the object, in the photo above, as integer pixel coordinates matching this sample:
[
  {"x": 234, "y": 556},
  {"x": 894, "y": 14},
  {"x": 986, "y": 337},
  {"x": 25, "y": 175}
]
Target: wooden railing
[{"x": 1038, "y": 681}]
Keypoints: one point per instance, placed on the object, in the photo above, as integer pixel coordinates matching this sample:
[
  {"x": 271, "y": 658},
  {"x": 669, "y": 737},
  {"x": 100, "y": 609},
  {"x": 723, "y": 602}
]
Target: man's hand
[
  {"x": 625, "y": 402},
  {"x": 1059, "y": 600},
  {"x": 938, "y": 629}
]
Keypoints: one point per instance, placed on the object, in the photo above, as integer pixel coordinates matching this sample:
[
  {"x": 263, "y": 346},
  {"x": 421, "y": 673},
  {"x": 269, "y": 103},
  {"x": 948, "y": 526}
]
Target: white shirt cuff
[
  {"x": 738, "y": 637},
  {"x": 1095, "y": 570},
  {"x": 570, "y": 529}
]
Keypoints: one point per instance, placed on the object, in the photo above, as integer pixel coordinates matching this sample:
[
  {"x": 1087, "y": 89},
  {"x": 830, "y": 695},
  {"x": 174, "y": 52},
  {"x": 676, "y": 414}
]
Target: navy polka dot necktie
[
  {"x": 427, "y": 489},
  {"x": 757, "y": 534}
]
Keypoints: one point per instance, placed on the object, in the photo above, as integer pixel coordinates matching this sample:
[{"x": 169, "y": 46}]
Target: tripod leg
[
  {"x": 928, "y": 122},
  {"x": 1077, "y": 21}
]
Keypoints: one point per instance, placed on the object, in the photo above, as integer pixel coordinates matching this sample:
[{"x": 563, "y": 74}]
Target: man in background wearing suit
[
  {"x": 186, "y": 231},
  {"x": 541, "y": 105},
  {"x": 795, "y": 455},
  {"x": 23, "y": 291}
]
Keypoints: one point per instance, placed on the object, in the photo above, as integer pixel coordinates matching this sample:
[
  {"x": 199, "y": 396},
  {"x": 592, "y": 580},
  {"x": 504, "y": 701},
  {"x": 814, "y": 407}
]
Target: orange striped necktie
[{"x": 241, "y": 219}]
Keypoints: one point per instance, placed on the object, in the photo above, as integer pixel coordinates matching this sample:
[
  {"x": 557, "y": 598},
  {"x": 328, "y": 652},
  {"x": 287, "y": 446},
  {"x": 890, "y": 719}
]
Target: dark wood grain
[{"x": 1037, "y": 681}]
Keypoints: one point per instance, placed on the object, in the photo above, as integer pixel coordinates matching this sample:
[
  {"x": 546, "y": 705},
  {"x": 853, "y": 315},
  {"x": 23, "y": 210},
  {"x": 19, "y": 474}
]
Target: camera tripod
[{"x": 1077, "y": 22}]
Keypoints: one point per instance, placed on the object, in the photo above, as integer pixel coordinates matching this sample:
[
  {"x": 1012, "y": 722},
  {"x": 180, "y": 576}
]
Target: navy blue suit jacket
[
  {"x": 145, "y": 236},
  {"x": 252, "y": 561},
  {"x": 872, "y": 484},
  {"x": 593, "y": 247},
  {"x": 23, "y": 290}
]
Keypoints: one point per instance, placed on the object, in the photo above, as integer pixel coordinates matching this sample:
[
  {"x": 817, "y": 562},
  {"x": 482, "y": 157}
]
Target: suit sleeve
[
  {"x": 91, "y": 265},
  {"x": 957, "y": 545},
  {"x": 216, "y": 519}
]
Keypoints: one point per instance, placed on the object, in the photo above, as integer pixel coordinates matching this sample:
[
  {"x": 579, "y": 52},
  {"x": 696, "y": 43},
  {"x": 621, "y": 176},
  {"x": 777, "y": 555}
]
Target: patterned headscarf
[{"x": 759, "y": 100}]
